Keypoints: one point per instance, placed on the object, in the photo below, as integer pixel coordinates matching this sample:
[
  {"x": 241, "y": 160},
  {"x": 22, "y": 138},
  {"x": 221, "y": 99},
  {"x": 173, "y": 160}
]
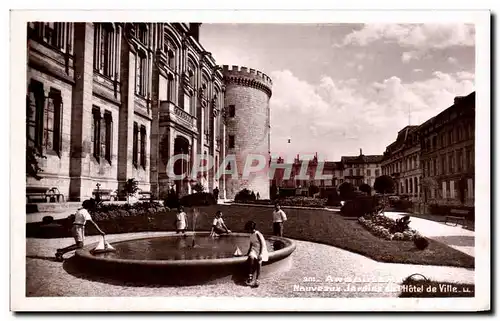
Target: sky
[{"x": 339, "y": 88}]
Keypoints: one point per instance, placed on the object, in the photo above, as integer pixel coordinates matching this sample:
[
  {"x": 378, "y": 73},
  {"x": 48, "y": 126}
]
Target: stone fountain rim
[{"x": 85, "y": 253}]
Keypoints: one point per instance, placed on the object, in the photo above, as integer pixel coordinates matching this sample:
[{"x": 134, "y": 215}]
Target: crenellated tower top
[{"x": 249, "y": 77}]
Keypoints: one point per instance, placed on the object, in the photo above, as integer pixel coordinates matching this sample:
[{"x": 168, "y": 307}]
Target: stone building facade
[
  {"x": 447, "y": 154},
  {"x": 402, "y": 162},
  {"x": 362, "y": 169},
  {"x": 107, "y": 102}
]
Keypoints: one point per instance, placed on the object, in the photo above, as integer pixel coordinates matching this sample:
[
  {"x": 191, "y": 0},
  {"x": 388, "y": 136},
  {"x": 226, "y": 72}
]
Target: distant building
[
  {"x": 362, "y": 169},
  {"x": 402, "y": 162},
  {"x": 447, "y": 154}
]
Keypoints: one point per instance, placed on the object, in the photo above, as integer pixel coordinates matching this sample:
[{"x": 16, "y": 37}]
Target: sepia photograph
[{"x": 323, "y": 161}]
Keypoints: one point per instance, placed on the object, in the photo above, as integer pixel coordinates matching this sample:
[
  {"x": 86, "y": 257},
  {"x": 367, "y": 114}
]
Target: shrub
[
  {"x": 47, "y": 219},
  {"x": 402, "y": 205},
  {"x": 244, "y": 195},
  {"x": 346, "y": 191},
  {"x": 333, "y": 199},
  {"x": 401, "y": 224},
  {"x": 384, "y": 184},
  {"x": 359, "y": 206},
  {"x": 198, "y": 199},
  {"x": 172, "y": 200},
  {"x": 398, "y": 236},
  {"x": 365, "y": 188},
  {"x": 421, "y": 243},
  {"x": 303, "y": 201},
  {"x": 199, "y": 188}
]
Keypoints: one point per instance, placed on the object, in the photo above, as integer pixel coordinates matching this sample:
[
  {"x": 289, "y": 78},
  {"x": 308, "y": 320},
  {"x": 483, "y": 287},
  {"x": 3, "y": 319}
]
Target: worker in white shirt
[{"x": 279, "y": 217}]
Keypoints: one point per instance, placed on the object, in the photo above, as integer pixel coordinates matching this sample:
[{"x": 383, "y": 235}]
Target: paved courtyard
[{"x": 313, "y": 265}]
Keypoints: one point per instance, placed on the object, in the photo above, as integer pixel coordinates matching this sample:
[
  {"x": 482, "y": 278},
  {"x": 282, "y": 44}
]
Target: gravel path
[{"x": 314, "y": 265}]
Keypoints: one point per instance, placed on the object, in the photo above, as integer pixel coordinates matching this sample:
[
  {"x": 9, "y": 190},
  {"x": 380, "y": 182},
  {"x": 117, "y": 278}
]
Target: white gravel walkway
[{"x": 314, "y": 265}]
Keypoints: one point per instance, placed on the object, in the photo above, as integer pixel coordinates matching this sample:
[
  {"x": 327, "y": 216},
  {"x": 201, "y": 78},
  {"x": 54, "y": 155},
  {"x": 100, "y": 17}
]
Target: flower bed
[
  {"x": 300, "y": 201},
  {"x": 383, "y": 227}
]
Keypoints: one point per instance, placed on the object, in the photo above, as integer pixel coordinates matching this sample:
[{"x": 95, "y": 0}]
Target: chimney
[
  {"x": 194, "y": 30},
  {"x": 360, "y": 152}
]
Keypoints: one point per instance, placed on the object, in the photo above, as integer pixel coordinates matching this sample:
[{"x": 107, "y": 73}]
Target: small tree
[
  {"x": 384, "y": 184},
  {"x": 198, "y": 188},
  {"x": 346, "y": 190},
  {"x": 131, "y": 187},
  {"x": 365, "y": 188}
]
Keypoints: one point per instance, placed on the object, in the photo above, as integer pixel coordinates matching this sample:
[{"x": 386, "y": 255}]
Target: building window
[
  {"x": 51, "y": 33},
  {"x": 53, "y": 121},
  {"x": 231, "y": 141},
  {"x": 358, "y": 172},
  {"x": 232, "y": 111},
  {"x": 415, "y": 186},
  {"x": 96, "y": 132},
  {"x": 368, "y": 172},
  {"x": 460, "y": 161},
  {"x": 108, "y": 123},
  {"x": 377, "y": 173},
  {"x": 140, "y": 80},
  {"x": 170, "y": 87},
  {"x": 143, "y": 146},
  {"x": 450, "y": 164},
  {"x": 104, "y": 50},
  {"x": 34, "y": 114},
  {"x": 351, "y": 172},
  {"x": 135, "y": 147},
  {"x": 468, "y": 158},
  {"x": 443, "y": 165},
  {"x": 142, "y": 33},
  {"x": 410, "y": 186}
]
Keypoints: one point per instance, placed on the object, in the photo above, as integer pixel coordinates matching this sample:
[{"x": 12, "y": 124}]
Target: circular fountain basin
[{"x": 172, "y": 259}]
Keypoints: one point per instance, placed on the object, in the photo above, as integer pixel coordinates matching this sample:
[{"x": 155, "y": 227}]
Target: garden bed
[
  {"x": 383, "y": 227},
  {"x": 319, "y": 226}
]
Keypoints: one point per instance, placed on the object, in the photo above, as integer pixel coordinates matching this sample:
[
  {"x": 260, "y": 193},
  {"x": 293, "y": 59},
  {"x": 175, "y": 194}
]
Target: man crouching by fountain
[
  {"x": 218, "y": 226},
  {"x": 81, "y": 217},
  {"x": 257, "y": 253}
]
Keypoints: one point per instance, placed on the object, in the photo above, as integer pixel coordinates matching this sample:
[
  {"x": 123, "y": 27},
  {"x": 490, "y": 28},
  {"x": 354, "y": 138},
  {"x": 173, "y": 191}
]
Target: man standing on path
[{"x": 279, "y": 217}]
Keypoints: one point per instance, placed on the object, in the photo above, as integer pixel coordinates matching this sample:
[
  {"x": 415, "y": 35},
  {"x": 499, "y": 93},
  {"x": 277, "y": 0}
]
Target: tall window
[
  {"x": 443, "y": 165},
  {"x": 142, "y": 33},
  {"x": 231, "y": 141},
  {"x": 232, "y": 111},
  {"x": 108, "y": 123},
  {"x": 140, "y": 80},
  {"x": 104, "y": 51},
  {"x": 377, "y": 173},
  {"x": 143, "y": 146},
  {"x": 450, "y": 164},
  {"x": 52, "y": 121},
  {"x": 358, "y": 172},
  {"x": 34, "y": 114},
  {"x": 468, "y": 158},
  {"x": 135, "y": 144},
  {"x": 96, "y": 132},
  {"x": 368, "y": 172},
  {"x": 460, "y": 161},
  {"x": 169, "y": 49},
  {"x": 170, "y": 87}
]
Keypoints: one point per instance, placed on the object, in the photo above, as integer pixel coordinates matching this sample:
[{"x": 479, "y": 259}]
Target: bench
[
  {"x": 459, "y": 216},
  {"x": 45, "y": 193},
  {"x": 105, "y": 194}
]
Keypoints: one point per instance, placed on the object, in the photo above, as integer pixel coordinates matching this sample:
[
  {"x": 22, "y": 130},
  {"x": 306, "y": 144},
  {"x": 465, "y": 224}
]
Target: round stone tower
[{"x": 246, "y": 103}]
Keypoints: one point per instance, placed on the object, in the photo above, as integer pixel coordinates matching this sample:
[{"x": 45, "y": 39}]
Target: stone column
[{"x": 81, "y": 114}]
